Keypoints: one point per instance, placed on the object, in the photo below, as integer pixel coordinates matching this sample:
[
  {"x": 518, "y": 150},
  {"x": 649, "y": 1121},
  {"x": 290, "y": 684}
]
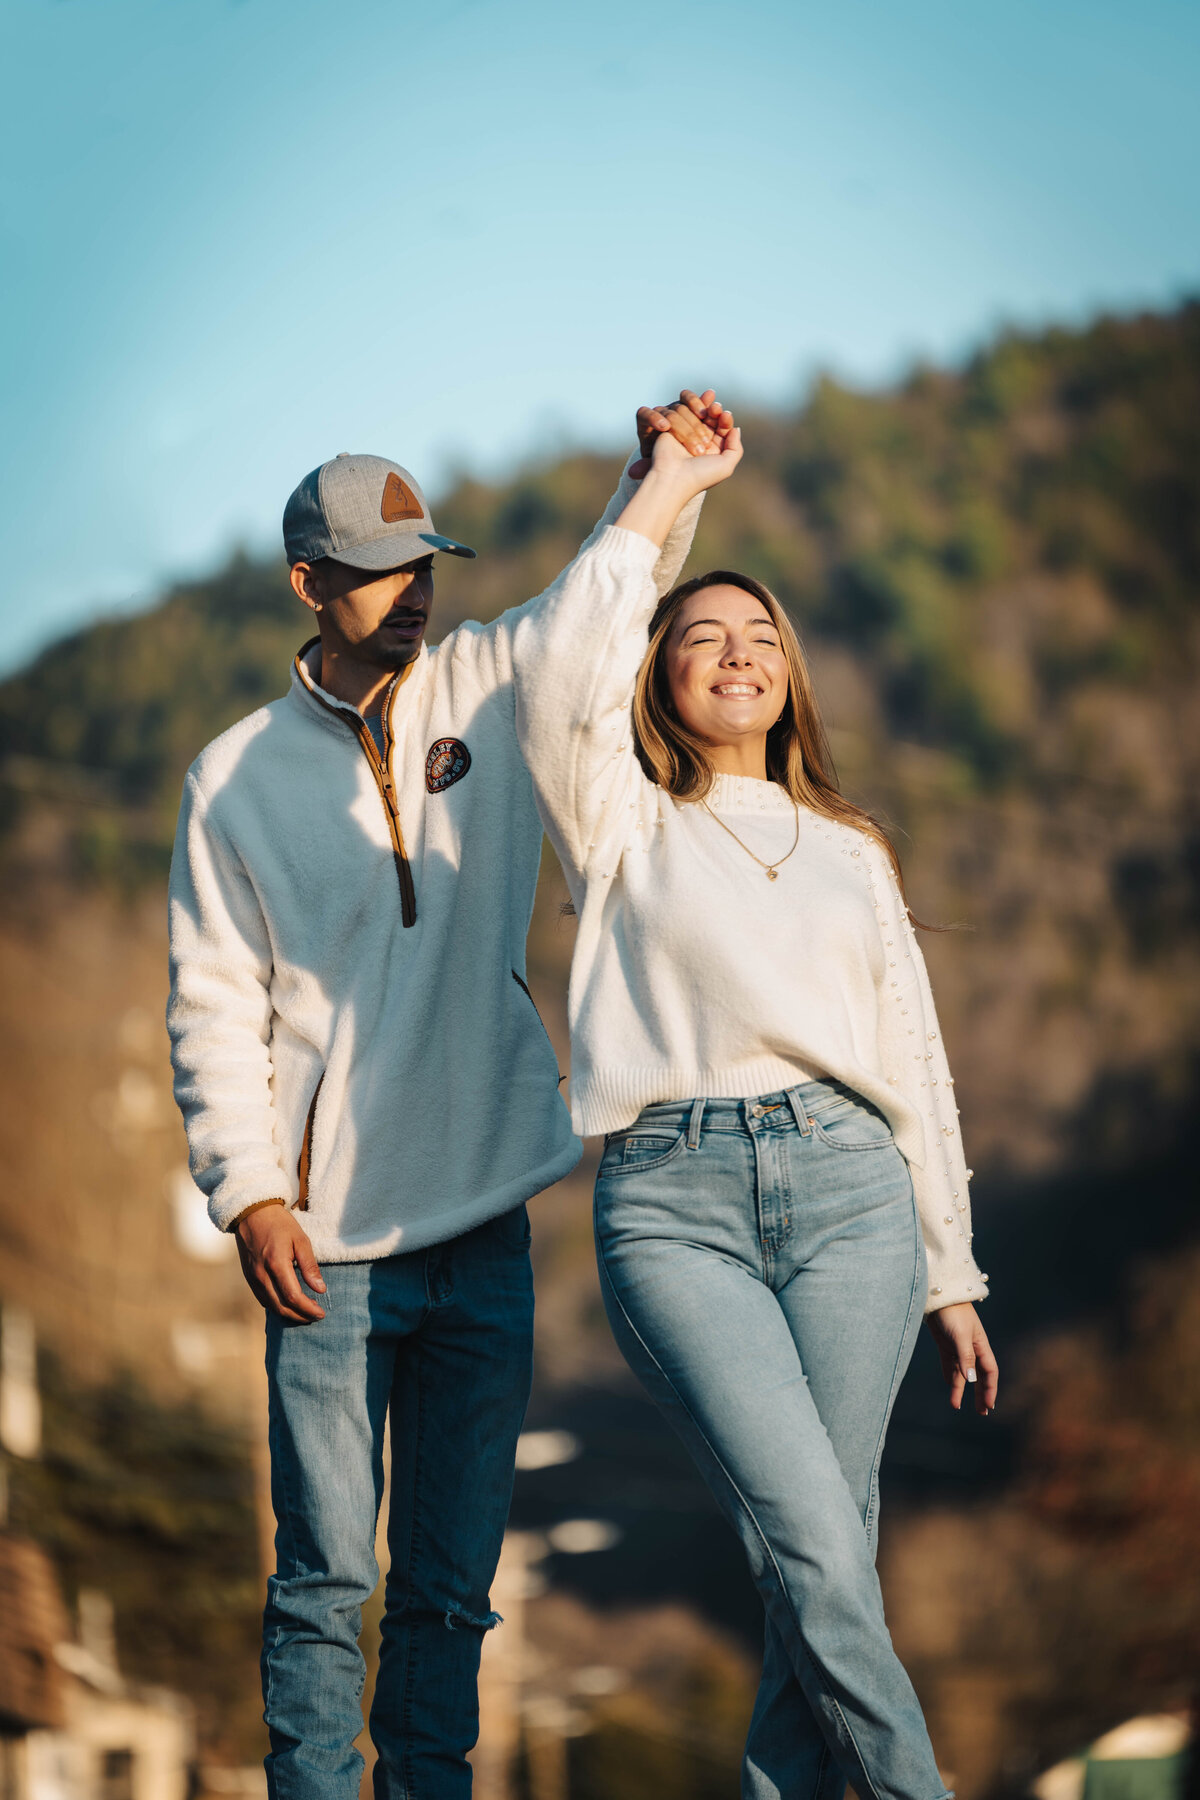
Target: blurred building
[
  {"x": 1143, "y": 1759},
  {"x": 71, "y": 1727}
]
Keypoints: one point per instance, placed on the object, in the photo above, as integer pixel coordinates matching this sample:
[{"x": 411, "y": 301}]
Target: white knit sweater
[
  {"x": 695, "y": 975},
  {"x": 350, "y": 1028}
]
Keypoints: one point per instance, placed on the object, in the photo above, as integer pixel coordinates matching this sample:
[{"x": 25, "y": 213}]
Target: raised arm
[
  {"x": 701, "y": 425},
  {"x": 576, "y": 658},
  {"x": 697, "y": 421}
]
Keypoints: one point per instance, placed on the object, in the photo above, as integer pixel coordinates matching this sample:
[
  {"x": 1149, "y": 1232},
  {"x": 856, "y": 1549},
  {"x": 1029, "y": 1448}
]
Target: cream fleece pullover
[
  {"x": 695, "y": 975},
  {"x": 350, "y": 1026}
]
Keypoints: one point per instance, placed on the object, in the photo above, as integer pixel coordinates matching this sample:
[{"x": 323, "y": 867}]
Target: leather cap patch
[
  {"x": 399, "y": 501},
  {"x": 447, "y": 762}
]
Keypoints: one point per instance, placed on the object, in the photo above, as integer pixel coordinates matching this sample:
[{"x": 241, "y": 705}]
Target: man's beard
[{"x": 389, "y": 656}]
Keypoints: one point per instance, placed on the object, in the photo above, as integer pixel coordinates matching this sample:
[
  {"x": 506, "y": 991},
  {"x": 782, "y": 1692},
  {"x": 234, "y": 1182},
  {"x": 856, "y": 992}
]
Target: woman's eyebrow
[{"x": 724, "y": 626}]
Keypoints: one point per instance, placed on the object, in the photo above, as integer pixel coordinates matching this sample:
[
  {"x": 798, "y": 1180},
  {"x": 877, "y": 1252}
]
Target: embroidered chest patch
[{"x": 447, "y": 762}]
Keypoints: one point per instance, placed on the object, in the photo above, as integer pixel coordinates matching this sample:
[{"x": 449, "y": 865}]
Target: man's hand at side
[{"x": 273, "y": 1247}]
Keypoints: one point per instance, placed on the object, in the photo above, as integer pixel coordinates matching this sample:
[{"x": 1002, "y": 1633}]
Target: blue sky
[{"x": 241, "y": 235}]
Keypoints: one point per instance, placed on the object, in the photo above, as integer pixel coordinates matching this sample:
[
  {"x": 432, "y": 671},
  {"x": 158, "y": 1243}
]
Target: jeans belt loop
[
  {"x": 803, "y": 1126},
  {"x": 694, "y": 1123}
]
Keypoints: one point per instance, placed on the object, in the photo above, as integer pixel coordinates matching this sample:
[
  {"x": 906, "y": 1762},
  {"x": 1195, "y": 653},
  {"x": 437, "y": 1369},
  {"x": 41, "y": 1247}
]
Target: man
[{"x": 370, "y": 1099}]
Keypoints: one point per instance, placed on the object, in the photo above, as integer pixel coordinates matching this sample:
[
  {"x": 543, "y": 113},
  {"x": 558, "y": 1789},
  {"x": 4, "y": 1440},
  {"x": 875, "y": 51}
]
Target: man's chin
[{"x": 396, "y": 655}]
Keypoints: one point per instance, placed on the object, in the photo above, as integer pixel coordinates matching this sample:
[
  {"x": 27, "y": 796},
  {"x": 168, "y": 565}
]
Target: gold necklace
[{"x": 771, "y": 868}]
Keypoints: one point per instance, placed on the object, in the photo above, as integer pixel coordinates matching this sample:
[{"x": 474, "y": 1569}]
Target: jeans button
[{"x": 756, "y": 1112}]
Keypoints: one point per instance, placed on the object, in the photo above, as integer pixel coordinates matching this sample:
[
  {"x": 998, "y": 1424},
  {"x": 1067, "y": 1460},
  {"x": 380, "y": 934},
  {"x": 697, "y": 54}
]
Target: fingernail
[{"x": 970, "y": 1374}]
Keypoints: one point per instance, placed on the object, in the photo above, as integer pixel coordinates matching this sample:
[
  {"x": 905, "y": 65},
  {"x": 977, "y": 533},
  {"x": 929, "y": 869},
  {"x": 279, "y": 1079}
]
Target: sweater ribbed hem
[
  {"x": 609, "y": 1099},
  {"x": 453, "y": 1221}
]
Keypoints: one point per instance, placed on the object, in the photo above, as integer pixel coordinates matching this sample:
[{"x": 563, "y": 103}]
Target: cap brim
[{"x": 397, "y": 548}]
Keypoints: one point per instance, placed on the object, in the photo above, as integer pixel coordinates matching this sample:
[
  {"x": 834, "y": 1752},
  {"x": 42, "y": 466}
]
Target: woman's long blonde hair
[{"x": 797, "y": 748}]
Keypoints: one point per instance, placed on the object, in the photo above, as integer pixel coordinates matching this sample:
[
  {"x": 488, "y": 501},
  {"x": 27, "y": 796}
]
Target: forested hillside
[{"x": 996, "y": 570}]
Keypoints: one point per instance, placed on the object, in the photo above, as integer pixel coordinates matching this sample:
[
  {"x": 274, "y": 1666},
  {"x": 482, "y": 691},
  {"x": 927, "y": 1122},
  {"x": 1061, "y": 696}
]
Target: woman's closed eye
[{"x": 767, "y": 643}]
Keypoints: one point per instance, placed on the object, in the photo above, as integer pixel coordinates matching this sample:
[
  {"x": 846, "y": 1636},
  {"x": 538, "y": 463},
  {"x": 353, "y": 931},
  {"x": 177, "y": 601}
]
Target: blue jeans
[
  {"x": 764, "y": 1274},
  {"x": 442, "y": 1339}
]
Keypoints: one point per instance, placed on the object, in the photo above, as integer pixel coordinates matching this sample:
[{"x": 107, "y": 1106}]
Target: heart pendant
[{"x": 772, "y": 875}]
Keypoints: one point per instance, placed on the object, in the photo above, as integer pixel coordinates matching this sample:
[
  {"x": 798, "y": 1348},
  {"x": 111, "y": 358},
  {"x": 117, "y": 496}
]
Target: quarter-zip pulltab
[
  {"x": 381, "y": 769},
  {"x": 387, "y": 793}
]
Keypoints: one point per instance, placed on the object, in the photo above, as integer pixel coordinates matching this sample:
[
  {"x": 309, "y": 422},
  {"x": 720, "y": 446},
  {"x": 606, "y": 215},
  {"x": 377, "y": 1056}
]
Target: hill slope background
[{"x": 997, "y": 574}]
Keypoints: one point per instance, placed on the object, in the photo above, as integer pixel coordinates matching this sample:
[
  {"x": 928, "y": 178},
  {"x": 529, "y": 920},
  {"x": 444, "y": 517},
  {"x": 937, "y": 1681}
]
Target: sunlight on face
[
  {"x": 726, "y": 669},
  {"x": 379, "y": 619}
]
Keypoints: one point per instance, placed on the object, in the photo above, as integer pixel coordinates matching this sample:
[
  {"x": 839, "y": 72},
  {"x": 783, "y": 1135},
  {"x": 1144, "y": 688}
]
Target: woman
[{"x": 782, "y": 1189}]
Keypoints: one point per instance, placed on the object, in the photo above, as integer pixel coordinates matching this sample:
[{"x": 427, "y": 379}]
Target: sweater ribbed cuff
[{"x": 950, "y": 1286}]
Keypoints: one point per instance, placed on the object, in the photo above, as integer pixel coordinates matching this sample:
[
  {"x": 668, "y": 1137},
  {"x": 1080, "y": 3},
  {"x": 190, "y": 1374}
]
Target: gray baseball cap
[{"x": 364, "y": 511}]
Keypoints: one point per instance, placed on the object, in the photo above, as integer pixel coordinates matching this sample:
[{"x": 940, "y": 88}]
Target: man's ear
[{"x": 306, "y": 584}]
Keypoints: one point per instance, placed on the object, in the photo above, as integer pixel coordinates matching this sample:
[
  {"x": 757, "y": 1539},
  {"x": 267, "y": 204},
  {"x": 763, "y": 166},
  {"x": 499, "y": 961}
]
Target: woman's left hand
[
  {"x": 677, "y": 476},
  {"x": 698, "y": 421},
  {"x": 966, "y": 1356}
]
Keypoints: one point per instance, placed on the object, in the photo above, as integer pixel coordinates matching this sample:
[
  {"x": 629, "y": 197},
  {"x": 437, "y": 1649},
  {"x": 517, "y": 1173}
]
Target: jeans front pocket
[
  {"x": 635, "y": 1152},
  {"x": 852, "y": 1124}
]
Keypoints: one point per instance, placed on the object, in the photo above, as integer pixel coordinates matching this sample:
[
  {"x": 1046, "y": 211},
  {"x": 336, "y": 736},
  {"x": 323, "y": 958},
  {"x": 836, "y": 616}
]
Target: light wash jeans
[
  {"x": 764, "y": 1274},
  {"x": 441, "y": 1338}
]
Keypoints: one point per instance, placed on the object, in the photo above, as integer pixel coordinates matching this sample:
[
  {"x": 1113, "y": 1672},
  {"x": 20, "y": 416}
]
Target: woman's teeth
[{"x": 736, "y": 690}]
